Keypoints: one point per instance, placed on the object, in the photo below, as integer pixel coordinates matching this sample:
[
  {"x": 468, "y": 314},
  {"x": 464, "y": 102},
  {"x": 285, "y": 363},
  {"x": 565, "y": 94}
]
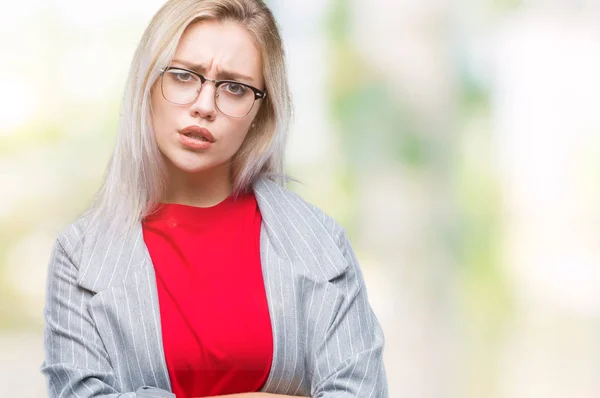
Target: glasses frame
[{"x": 258, "y": 94}]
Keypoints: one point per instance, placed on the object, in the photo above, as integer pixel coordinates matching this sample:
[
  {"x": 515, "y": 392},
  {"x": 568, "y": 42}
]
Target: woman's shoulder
[
  {"x": 72, "y": 237},
  {"x": 286, "y": 206},
  {"x": 302, "y": 229}
]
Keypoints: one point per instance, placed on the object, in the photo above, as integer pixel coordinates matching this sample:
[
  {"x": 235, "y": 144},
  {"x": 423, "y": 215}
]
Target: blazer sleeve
[
  {"x": 75, "y": 361},
  {"x": 355, "y": 333}
]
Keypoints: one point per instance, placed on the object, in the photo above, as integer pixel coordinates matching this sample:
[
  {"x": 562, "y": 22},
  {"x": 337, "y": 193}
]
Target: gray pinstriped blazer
[{"x": 102, "y": 335}]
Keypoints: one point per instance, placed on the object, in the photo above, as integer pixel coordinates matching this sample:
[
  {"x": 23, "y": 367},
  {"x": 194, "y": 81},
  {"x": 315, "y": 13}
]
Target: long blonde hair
[{"x": 135, "y": 179}]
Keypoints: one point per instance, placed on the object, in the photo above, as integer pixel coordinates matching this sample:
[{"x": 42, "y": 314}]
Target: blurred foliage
[
  {"x": 480, "y": 206},
  {"x": 362, "y": 104}
]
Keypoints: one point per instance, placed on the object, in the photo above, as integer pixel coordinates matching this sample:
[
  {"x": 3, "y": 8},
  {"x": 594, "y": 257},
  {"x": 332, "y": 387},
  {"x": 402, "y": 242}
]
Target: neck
[{"x": 202, "y": 189}]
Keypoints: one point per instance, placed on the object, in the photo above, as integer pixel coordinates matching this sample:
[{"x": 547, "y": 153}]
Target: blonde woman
[{"x": 195, "y": 273}]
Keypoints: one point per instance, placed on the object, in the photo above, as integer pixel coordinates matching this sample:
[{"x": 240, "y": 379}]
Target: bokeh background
[{"x": 458, "y": 142}]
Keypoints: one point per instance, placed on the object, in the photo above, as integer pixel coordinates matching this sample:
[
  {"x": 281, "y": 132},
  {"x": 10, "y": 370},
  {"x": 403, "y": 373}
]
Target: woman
[{"x": 194, "y": 273}]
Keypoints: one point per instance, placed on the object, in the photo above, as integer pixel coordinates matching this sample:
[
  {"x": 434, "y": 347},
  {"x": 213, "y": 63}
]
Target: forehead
[{"x": 220, "y": 46}]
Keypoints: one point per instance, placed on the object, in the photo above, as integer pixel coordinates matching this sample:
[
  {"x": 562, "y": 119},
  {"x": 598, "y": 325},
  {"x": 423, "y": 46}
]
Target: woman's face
[{"x": 220, "y": 51}]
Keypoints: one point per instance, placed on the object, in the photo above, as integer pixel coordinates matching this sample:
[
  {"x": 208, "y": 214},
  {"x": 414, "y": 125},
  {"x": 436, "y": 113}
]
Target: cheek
[
  {"x": 160, "y": 116},
  {"x": 238, "y": 132}
]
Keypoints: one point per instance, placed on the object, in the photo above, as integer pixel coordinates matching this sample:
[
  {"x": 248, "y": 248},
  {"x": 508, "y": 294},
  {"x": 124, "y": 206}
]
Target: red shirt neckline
[{"x": 187, "y": 214}]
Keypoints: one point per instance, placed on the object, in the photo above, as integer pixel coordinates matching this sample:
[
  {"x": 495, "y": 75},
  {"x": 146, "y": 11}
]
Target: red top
[{"x": 215, "y": 320}]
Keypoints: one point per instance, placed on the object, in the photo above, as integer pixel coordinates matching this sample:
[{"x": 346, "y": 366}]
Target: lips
[{"x": 198, "y": 132}]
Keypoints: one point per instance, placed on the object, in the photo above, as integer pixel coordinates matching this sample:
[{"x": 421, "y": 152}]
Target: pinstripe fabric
[{"x": 102, "y": 335}]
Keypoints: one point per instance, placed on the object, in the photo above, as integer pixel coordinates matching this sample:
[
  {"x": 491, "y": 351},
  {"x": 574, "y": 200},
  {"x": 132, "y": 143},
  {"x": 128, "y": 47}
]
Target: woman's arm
[
  {"x": 349, "y": 356},
  {"x": 76, "y": 363}
]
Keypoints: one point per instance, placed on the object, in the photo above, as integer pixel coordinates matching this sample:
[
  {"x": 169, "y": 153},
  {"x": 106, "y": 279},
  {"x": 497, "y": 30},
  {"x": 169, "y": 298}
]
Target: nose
[{"x": 205, "y": 106}]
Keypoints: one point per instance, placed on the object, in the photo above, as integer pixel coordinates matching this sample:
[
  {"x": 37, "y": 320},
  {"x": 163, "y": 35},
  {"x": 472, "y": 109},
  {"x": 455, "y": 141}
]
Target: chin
[
  {"x": 195, "y": 162},
  {"x": 193, "y": 167}
]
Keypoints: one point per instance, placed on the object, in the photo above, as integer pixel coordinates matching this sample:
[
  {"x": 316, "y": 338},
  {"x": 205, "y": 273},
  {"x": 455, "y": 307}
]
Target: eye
[
  {"x": 181, "y": 76},
  {"x": 235, "y": 88}
]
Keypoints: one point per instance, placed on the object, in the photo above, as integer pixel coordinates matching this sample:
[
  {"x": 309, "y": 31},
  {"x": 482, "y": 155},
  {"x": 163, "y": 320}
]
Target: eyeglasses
[{"x": 182, "y": 87}]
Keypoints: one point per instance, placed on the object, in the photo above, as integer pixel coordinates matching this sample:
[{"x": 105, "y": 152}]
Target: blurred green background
[{"x": 457, "y": 142}]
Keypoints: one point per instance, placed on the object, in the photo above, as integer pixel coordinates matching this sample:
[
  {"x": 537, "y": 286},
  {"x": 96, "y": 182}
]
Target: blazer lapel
[
  {"x": 287, "y": 374},
  {"x": 299, "y": 257},
  {"x": 125, "y": 308}
]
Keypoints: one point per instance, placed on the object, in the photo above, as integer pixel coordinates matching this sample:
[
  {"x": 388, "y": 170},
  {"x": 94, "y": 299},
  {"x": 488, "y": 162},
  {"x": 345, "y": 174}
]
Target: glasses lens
[
  {"x": 179, "y": 86},
  {"x": 234, "y": 99}
]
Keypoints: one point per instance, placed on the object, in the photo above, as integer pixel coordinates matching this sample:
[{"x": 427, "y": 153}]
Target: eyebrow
[{"x": 221, "y": 74}]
